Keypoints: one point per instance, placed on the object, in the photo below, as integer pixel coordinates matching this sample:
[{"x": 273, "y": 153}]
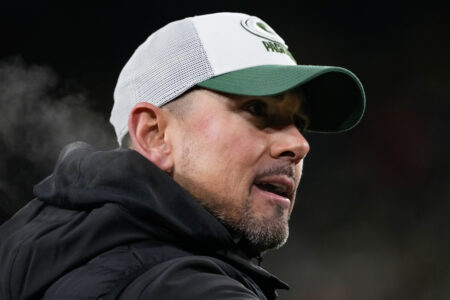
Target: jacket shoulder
[
  {"x": 192, "y": 277},
  {"x": 101, "y": 274},
  {"x": 165, "y": 272},
  {"x": 96, "y": 278}
]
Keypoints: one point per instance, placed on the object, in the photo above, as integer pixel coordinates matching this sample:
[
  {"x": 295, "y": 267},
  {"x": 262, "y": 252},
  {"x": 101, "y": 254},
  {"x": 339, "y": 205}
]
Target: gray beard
[{"x": 262, "y": 233}]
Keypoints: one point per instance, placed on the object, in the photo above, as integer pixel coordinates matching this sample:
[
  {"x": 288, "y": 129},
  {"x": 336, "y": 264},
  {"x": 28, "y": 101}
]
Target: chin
[{"x": 265, "y": 232}]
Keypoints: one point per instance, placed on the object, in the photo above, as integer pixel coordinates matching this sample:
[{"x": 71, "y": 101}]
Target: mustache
[{"x": 287, "y": 170}]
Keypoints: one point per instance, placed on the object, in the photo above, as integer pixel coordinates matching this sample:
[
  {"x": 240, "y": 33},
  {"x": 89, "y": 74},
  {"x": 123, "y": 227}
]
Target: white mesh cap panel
[{"x": 168, "y": 63}]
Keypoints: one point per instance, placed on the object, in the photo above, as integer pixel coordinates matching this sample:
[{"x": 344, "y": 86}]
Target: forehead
[
  {"x": 297, "y": 94},
  {"x": 295, "y": 99},
  {"x": 200, "y": 99}
]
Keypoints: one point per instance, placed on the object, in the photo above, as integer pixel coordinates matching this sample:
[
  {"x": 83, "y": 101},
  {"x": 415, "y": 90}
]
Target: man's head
[
  {"x": 219, "y": 103},
  {"x": 241, "y": 157}
]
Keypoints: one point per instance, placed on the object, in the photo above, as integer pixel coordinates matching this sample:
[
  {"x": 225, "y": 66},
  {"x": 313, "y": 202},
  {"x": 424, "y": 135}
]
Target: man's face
[{"x": 241, "y": 157}]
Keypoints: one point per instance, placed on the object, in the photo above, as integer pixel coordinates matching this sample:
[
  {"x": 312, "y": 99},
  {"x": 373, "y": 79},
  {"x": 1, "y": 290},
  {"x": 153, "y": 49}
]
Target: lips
[{"x": 279, "y": 185}]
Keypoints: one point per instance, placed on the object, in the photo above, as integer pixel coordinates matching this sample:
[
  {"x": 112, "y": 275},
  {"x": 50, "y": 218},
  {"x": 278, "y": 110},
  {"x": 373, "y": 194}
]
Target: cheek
[
  {"x": 231, "y": 138},
  {"x": 229, "y": 151},
  {"x": 207, "y": 129}
]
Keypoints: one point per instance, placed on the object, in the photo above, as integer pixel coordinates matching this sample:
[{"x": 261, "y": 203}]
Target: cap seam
[{"x": 203, "y": 48}]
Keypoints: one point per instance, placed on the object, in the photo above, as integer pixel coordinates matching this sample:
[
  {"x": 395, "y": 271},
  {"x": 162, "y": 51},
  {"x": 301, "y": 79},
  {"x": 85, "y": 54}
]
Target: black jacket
[{"x": 109, "y": 224}]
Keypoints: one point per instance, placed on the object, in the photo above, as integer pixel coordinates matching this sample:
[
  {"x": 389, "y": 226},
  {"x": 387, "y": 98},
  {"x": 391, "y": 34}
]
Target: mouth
[
  {"x": 278, "y": 188},
  {"x": 273, "y": 188}
]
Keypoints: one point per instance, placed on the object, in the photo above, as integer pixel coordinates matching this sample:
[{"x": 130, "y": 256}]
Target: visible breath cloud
[{"x": 38, "y": 116}]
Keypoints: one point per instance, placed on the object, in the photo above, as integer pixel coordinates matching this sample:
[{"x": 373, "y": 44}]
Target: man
[{"x": 213, "y": 110}]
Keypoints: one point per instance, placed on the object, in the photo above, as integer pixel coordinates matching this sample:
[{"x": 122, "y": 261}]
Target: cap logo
[
  {"x": 262, "y": 29},
  {"x": 273, "y": 43}
]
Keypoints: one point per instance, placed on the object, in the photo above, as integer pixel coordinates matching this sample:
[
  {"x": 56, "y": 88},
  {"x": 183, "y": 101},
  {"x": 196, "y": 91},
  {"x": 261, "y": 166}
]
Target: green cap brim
[{"x": 335, "y": 95}]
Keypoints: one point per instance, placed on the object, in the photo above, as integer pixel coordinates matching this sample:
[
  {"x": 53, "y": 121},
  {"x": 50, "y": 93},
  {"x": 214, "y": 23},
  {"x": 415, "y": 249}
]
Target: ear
[{"x": 147, "y": 126}]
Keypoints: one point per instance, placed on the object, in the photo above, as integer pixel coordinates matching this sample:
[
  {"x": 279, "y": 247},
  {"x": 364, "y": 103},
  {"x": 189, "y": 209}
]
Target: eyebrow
[{"x": 279, "y": 97}]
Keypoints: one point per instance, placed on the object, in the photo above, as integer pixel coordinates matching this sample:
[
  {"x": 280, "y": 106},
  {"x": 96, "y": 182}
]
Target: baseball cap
[{"x": 234, "y": 53}]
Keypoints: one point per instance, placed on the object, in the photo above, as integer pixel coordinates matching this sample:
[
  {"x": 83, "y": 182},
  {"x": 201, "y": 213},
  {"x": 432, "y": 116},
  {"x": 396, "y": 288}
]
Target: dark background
[{"x": 372, "y": 217}]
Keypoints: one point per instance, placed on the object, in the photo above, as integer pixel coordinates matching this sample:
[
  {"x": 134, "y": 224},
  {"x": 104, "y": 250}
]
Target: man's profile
[{"x": 210, "y": 113}]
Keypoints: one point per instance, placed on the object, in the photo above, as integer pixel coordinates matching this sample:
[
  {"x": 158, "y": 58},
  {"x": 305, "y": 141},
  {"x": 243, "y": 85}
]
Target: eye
[
  {"x": 257, "y": 108},
  {"x": 301, "y": 122}
]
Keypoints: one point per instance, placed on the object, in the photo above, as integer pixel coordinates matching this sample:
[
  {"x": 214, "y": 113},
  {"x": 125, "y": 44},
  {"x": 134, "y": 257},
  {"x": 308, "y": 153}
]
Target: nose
[{"x": 288, "y": 142}]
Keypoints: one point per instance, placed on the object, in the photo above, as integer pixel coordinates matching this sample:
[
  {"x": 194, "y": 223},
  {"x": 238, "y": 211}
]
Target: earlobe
[
  {"x": 147, "y": 126},
  {"x": 162, "y": 156}
]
